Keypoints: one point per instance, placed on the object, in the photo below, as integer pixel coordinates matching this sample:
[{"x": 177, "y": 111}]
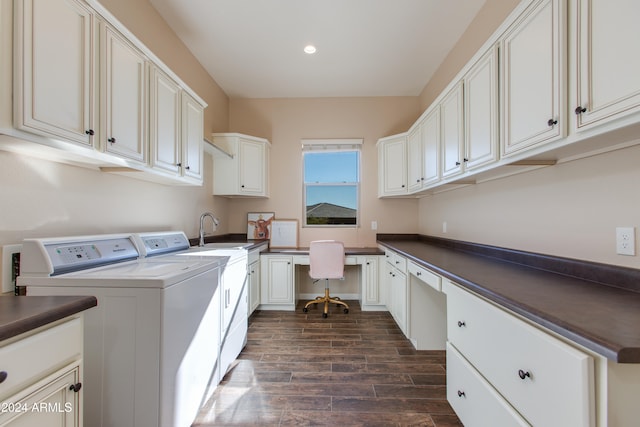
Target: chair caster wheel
[
  {"x": 305, "y": 309},
  {"x": 325, "y": 315},
  {"x": 346, "y": 310}
]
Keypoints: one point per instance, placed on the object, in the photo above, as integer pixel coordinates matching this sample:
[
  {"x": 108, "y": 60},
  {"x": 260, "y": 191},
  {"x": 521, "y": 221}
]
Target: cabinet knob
[
  {"x": 187, "y": 168},
  {"x": 419, "y": 273},
  {"x": 3, "y": 376},
  {"x": 179, "y": 165},
  {"x": 524, "y": 374},
  {"x": 75, "y": 387},
  {"x": 461, "y": 324},
  {"x": 417, "y": 180},
  {"x": 461, "y": 393},
  {"x": 579, "y": 110},
  {"x": 112, "y": 140},
  {"x": 465, "y": 160},
  {"x": 402, "y": 185},
  {"x": 457, "y": 163},
  {"x": 89, "y": 132},
  {"x": 552, "y": 122}
]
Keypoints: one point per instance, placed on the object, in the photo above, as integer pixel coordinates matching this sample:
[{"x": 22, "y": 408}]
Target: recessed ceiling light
[{"x": 310, "y": 49}]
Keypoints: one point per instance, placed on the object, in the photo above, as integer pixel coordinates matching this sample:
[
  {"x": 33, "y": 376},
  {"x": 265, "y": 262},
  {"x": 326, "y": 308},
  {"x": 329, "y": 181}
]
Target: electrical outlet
[
  {"x": 374, "y": 225},
  {"x": 8, "y": 284},
  {"x": 626, "y": 241},
  {"x": 444, "y": 227}
]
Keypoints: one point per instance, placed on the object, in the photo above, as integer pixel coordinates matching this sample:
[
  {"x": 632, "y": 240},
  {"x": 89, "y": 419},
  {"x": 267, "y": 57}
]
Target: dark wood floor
[{"x": 354, "y": 369}]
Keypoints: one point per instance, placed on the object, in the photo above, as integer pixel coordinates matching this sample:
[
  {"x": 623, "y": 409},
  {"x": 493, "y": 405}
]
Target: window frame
[{"x": 332, "y": 146}]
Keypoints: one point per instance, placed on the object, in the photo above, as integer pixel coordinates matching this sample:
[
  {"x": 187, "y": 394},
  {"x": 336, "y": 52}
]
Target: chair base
[{"x": 326, "y": 299}]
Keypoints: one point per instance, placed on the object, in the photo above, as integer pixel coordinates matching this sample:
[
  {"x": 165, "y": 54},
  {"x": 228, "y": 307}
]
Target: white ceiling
[{"x": 254, "y": 48}]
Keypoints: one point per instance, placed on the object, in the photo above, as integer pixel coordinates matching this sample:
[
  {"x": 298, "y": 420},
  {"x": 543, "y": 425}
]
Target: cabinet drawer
[
  {"x": 546, "y": 380},
  {"x": 476, "y": 403},
  {"x": 27, "y": 360},
  {"x": 398, "y": 261},
  {"x": 425, "y": 275}
]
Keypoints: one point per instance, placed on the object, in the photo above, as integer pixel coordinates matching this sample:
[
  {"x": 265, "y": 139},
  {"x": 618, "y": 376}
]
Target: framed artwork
[
  {"x": 259, "y": 225},
  {"x": 284, "y": 233}
]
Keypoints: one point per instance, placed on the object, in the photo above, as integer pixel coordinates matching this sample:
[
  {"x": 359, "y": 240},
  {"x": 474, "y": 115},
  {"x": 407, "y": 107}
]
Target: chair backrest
[{"x": 326, "y": 259}]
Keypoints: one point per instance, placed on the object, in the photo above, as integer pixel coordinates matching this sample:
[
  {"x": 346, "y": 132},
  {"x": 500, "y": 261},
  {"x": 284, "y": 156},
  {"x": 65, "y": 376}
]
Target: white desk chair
[{"x": 326, "y": 259}]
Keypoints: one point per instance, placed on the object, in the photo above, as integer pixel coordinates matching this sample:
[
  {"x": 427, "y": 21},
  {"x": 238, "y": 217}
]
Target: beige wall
[
  {"x": 492, "y": 14},
  {"x": 41, "y": 198},
  {"x": 570, "y": 209},
  {"x": 286, "y": 121}
]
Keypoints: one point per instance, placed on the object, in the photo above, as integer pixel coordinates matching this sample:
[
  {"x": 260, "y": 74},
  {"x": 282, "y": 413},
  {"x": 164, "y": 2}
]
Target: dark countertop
[
  {"x": 19, "y": 314},
  {"x": 305, "y": 251},
  {"x": 603, "y": 317}
]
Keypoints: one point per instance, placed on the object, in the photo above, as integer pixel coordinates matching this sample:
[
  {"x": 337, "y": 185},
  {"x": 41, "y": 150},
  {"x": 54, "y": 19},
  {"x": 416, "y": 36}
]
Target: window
[{"x": 331, "y": 182}]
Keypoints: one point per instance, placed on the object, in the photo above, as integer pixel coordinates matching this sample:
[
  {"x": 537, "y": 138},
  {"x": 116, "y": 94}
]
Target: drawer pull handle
[
  {"x": 461, "y": 324},
  {"x": 3, "y": 376},
  {"x": 522, "y": 374},
  {"x": 75, "y": 387},
  {"x": 461, "y": 394}
]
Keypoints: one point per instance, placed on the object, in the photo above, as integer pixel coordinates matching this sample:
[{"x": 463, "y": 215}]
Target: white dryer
[{"x": 152, "y": 343}]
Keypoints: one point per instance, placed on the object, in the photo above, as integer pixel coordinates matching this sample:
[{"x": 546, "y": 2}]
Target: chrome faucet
[{"x": 215, "y": 220}]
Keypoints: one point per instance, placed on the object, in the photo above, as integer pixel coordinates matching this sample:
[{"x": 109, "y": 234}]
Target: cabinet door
[
  {"x": 451, "y": 110},
  {"x": 234, "y": 280},
  {"x": 414, "y": 160},
  {"x": 608, "y": 57},
  {"x": 481, "y": 111},
  {"x": 398, "y": 294},
  {"x": 125, "y": 99},
  {"x": 392, "y": 166},
  {"x": 254, "y": 286},
  {"x": 370, "y": 287},
  {"x": 55, "y": 80},
  {"x": 278, "y": 286},
  {"x": 192, "y": 137},
  {"x": 164, "y": 122},
  {"x": 51, "y": 402},
  {"x": 533, "y": 69},
  {"x": 252, "y": 167},
  {"x": 430, "y": 134}
]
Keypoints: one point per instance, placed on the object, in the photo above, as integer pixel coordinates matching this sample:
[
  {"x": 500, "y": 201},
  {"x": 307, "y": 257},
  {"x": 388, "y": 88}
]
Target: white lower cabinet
[
  {"x": 475, "y": 401},
  {"x": 545, "y": 380},
  {"x": 372, "y": 289},
  {"x": 253, "y": 274},
  {"x": 276, "y": 284},
  {"x": 42, "y": 385},
  {"x": 396, "y": 267}
]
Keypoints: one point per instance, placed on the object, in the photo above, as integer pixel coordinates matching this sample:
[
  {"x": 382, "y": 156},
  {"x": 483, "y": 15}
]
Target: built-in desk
[{"x": 283, "y": 283}]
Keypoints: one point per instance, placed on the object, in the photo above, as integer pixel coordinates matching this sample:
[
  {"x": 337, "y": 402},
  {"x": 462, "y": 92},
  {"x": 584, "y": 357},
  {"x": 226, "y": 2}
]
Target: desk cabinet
[
  {"x": 547, "y": 381},
  {"x": 276, "y": 284}
]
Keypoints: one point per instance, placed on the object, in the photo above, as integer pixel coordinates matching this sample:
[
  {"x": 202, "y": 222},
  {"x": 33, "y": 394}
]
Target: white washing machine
[
  {"x": 234, "y": 310},
  {"x": 152, "y": 343}
]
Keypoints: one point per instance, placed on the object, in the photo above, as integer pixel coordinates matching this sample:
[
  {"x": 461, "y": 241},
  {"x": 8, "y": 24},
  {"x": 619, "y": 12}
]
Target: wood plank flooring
[{"x": 355, "y": 369}]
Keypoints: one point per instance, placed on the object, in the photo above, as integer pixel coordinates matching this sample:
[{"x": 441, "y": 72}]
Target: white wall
[
  {"x": 569, "y": 210},
  {"x": 41, "y": 198}
]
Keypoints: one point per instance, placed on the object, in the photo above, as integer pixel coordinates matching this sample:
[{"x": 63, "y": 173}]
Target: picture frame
[
  {"x": 284, "y": 233},
  {"x": 259, "y": 225}
]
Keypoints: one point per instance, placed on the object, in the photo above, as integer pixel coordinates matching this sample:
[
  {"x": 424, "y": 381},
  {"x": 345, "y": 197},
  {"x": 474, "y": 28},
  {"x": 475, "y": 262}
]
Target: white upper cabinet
[
  {"x": 533, "y": 68},
  {"x": 414, "y": 159},
  {"x": 124, "y": 96},
  {"x": 82, "y": 79},
  {"x": 481, "y": 112},
  {"x": 54, "y": 86},
  {"x": 607, "y": 56},
  {"x": 430, "y": 135},
  {"x": 392, "y": 165},
  {"x": 243, "y": 167},
  {"x": 175, "y": 125},
  {"x": 164, "y": 125},
  {"x": 452, "y": 114},
  {"x": 192, "y": 138}
]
